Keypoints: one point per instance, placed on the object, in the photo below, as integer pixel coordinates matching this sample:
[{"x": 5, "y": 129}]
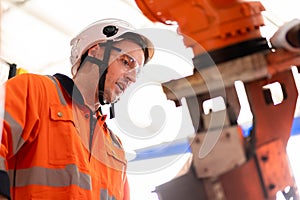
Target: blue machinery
[{"x": 182, "y": 146}]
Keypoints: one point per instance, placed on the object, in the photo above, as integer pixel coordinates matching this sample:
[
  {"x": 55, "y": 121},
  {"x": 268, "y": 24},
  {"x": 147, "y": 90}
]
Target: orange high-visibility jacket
[{"x": 53, "y": 146}]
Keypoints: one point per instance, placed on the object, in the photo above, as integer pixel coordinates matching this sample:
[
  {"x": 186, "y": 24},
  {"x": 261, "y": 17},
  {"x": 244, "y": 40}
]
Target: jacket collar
[{"x": 69, "y": 86}]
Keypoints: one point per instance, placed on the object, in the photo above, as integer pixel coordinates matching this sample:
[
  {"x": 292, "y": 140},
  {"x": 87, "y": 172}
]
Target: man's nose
[{"x": 131, "y": 76}]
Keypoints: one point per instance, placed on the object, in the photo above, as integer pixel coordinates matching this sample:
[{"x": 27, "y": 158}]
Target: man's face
[{"x": 122, "y": 70}]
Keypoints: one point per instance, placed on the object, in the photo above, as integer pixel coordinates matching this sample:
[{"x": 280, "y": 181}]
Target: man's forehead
[{"x": 128, "y": 45}]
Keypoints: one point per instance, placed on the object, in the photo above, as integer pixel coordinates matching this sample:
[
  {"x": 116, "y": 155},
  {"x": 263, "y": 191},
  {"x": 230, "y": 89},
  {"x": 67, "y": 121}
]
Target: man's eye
[
  {"x": 128, "y": 62},
  {"x": 125, "y": 61}
]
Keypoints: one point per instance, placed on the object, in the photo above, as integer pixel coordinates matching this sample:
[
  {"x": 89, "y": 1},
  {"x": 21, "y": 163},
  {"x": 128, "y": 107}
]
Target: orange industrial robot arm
[
  {"x": 213, "y": 24},
  {"x": 225, "y": 35}
]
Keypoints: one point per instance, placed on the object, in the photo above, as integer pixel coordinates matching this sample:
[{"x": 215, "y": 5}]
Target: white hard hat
[{"x": 100, "y": 31}]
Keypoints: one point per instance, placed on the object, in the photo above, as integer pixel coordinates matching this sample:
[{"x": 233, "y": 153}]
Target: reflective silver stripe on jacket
[
  {"x": 104, "y": 195},
  {"x": 2, "y": 164},
  {"x": 16, "y": 130},
  {"x": 60, "y": 95},
  {"x": 70, "y": 175}
]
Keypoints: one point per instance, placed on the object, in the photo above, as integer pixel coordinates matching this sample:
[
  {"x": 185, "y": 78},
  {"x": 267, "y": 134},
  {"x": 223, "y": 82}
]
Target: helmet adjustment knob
[{"x": 110, "y": 30}]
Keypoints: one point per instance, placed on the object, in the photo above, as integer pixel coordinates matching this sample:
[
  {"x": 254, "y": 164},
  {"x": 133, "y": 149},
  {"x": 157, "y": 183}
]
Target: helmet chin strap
[{"x": 102, "y": 65}]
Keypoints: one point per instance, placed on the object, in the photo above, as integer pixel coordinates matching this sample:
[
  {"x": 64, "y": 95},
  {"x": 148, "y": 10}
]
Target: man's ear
[{"x": 93, "y": 50}]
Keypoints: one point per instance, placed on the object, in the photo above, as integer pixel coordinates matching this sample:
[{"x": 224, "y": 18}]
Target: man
[{"x": 55, "y": 143}]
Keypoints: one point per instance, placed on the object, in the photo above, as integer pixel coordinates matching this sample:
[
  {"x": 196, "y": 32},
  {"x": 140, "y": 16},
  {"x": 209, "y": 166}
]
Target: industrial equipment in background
[
  {"x": 228, "y": 46},
  {"x": 9, "y": 70}
]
